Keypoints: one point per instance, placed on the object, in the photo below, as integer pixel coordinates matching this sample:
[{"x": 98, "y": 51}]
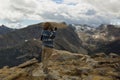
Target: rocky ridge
[{"x": 65, "y": 65}]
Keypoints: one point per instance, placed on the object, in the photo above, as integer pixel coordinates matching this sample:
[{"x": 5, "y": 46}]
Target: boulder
[
  {"x": 100, "y": 55},
  {"x": 113, "y": 55}
]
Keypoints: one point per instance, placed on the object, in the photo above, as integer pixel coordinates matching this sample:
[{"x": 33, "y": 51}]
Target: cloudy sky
[{"x": 19, "y": 13}]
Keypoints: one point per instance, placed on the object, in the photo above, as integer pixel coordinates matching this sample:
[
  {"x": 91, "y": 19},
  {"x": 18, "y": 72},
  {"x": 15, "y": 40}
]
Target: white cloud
[
  {"x": 106, "y": 6},
  {"x": 72, "y": 11},
  {"x": 15, "y": 25},
  {"x": 72, "y": 1}
]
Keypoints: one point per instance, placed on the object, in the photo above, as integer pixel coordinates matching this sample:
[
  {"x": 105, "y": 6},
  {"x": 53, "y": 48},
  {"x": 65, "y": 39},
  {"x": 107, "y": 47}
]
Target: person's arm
[
  {"x": 53, "y": 34},
  {"x": 41, "y": 37}
]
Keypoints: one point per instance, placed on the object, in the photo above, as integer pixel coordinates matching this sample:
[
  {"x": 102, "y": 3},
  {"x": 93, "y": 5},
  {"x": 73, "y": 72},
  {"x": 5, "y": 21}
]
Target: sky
[{"x": 20, "y": 13}]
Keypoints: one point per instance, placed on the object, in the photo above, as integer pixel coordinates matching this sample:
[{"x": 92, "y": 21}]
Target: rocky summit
[{"x": 64, "y": 65}]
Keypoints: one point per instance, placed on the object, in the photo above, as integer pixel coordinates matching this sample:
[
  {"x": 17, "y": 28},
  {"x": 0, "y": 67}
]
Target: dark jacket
[{"x": 47, "y": 38}]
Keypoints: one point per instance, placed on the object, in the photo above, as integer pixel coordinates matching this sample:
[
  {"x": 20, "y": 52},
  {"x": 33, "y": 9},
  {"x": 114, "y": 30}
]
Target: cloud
[
  {"x": 108, "y": 6},
  {"x": 71, "y": 11}
]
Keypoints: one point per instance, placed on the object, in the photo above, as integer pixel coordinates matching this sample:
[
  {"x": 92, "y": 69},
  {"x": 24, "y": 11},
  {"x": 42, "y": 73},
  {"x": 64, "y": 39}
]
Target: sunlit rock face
[{"x": 105, "y": 38}]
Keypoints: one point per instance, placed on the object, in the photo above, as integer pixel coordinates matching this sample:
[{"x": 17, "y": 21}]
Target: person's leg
[
  {"x": 48, "y": 53},
  {"x": 43, "y": 54},
  {"x": 43, "y": 58}
]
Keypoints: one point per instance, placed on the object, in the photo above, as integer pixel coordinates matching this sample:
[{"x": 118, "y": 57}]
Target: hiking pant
[{"x": 46, "y": 54}]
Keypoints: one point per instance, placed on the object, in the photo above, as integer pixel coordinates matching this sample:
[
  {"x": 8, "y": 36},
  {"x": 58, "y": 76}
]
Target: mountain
[
  {"x": 104, "y": 38},
  {"x": 84, "y": 28},
  {"x": 19, "y": 48},
  {"x": 110, "y": 31},
  {"x": 21, "y": 45},
  {"x": 63, "y": 39},
  {"x": 4, "y": 29}
]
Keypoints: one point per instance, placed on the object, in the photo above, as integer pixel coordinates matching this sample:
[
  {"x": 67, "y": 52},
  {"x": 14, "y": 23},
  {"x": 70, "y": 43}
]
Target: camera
[{"x": 55, "y": 28}]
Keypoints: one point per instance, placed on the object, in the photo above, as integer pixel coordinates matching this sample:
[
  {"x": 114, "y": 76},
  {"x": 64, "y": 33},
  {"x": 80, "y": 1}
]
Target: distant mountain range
[{"x": 105, "y": 38}]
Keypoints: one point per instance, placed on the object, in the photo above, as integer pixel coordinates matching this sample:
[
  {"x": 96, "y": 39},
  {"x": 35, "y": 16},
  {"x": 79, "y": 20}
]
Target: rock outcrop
[{"x": 64, "y": 65}]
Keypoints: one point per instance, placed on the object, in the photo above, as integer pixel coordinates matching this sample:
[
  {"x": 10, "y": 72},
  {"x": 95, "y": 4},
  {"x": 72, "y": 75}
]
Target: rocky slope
[
  {"x": 63, "y": 40},
  {"x": 105, "y": 38},
  {"x": 16, "y": 55},
  {"x": 21, "y": 45},
  {"x": 64, "y": 65}
]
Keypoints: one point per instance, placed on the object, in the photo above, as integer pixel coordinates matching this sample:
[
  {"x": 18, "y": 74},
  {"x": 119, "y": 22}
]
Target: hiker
[{"x": 47, "y": 37}]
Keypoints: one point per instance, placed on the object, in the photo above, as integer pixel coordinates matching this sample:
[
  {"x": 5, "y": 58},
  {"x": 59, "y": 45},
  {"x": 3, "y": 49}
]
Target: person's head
[{"x": 46, "y": 26}]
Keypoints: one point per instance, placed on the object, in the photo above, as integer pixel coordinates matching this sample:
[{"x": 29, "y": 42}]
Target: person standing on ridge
[{"x": 47, "y": 37}]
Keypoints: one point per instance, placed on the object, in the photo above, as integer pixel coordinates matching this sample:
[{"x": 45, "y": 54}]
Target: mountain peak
[
  {"x": 4, "y": 29},
  {"x": 2, "y": 25}
]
